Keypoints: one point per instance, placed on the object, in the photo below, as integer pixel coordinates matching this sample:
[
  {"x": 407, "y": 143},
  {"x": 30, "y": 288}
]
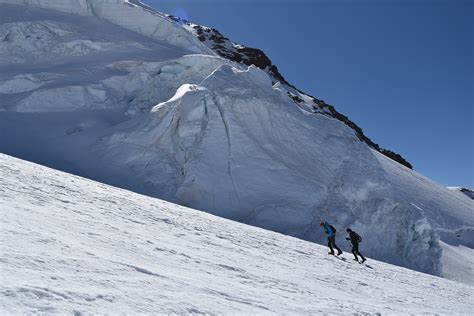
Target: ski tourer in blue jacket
[{"x": 331, "y": 232}]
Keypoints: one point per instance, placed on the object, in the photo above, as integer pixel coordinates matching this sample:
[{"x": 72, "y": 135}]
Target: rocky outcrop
[{"x": 468, "y": 192}]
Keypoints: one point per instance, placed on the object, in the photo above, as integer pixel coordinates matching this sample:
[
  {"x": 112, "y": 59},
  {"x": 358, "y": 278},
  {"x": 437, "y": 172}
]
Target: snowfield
[
  {"x": 116, "y": 92},
  {"x": 69, "y": 245}
]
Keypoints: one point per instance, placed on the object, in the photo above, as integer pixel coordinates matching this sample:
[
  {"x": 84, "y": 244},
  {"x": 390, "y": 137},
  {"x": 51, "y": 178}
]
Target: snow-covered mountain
[
  {"x": 74, "y": 246},
  {"x": 117, "y": 92}
]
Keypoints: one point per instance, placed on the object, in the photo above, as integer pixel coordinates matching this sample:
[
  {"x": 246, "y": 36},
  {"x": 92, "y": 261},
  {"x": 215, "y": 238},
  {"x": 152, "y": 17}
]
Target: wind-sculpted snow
[
  {"x": 73, "y": 246},
  {"x": 26, "y": 82},
  {"x": 125, "y": 14},
  {"x": 210, "y": 133},
  {"x": 45, "y": 40}
]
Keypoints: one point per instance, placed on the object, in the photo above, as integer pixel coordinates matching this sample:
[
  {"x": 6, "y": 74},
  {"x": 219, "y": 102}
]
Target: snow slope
[
  {"x": 143, "y": 104},
  {"x": 73, "y": 246},
  {"x": 140, "y": 20}
]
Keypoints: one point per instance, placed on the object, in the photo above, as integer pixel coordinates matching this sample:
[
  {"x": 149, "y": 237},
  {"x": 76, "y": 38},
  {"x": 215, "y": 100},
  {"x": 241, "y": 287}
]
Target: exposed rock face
[{"x": 468, "y": 192}]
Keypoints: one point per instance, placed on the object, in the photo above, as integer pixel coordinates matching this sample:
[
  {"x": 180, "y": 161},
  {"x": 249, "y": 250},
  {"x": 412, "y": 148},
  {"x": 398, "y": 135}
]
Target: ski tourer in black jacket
[{"x": 355, "y": 240}]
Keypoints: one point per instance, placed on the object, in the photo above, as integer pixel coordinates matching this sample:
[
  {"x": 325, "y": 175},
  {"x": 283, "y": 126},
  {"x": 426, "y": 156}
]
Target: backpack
[
  {"x": 358, "y": 238},
  {"x": 333, "y": 228}
]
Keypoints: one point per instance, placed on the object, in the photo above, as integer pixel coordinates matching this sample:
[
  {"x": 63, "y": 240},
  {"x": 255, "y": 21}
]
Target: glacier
[{"x": 117, "y": 92}]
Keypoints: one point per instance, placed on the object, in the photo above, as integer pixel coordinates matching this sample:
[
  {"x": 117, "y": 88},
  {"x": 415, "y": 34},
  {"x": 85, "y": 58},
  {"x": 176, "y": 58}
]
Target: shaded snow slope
[
  {"x": 52, "y": 61},
  {"x": 127, "y": 14},
  {"x": 73, "y": 246},
  {"x": 152, "y": 116}
]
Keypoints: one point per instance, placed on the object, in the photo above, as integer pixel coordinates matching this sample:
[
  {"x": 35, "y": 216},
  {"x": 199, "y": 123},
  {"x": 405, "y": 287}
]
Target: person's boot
[
  {"x": 330, "y": 253},
  {"x": 356, "y": 259},
  {"x": 339, "y": 252},
  {"x": 363, "y": 260}
]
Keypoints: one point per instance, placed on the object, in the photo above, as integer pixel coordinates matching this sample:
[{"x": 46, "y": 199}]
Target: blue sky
[{"x": 401, "y": 69}]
